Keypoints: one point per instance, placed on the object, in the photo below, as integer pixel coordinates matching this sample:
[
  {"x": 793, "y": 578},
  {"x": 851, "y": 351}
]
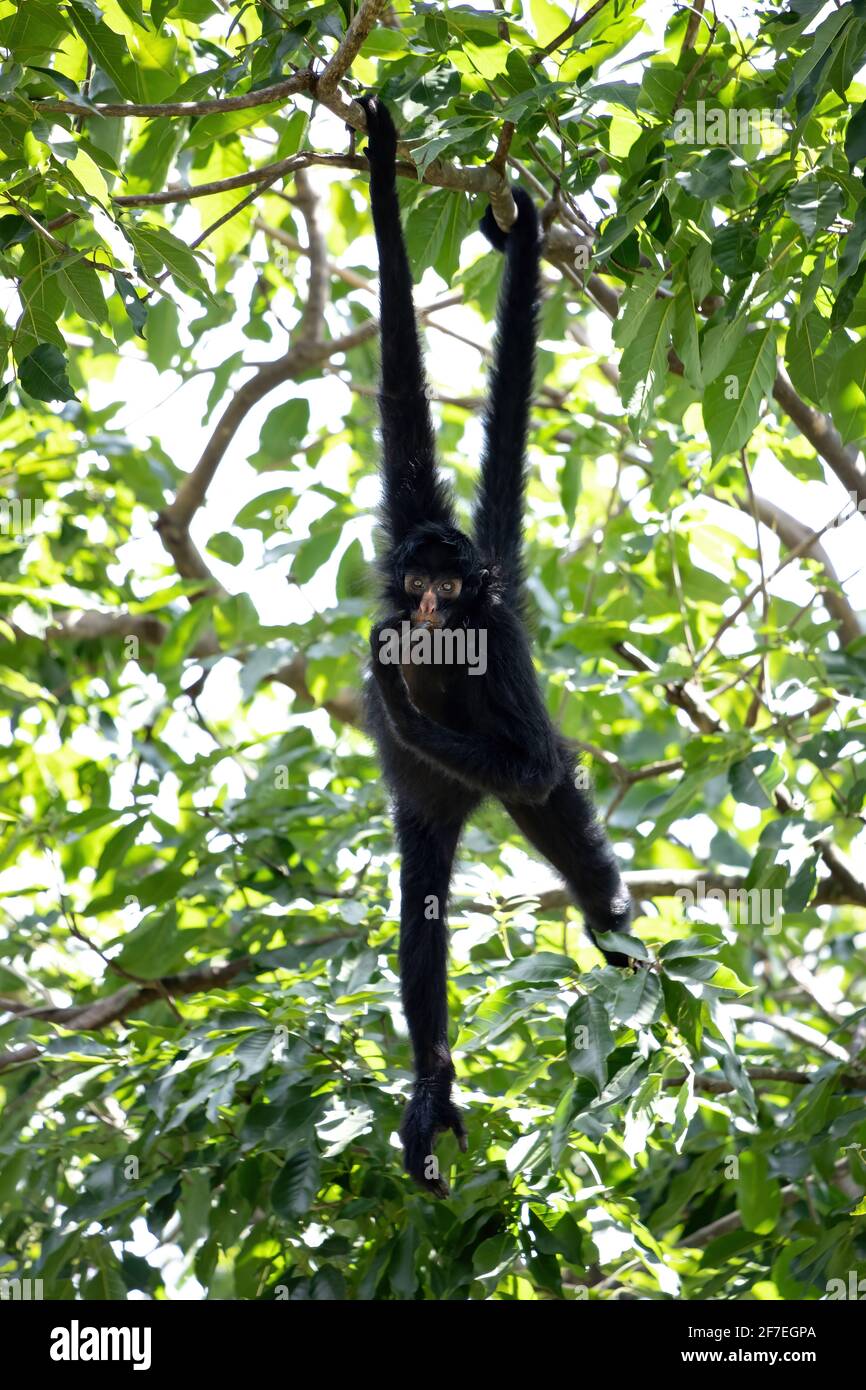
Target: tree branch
[
  {"x": 568, "y": 32},
  {"x": 821, "y": 433},
  {"x": 365, "y": 19},
  {"x": 781, "y": 1076},
  {"x": 693, "y": 25},
  {"x": 284, "y": 238},
  {"x": 303, "y": 81},
  {"x": 264, "y": 96},
  {"x": 796, "y": 536},
  {"x": 646, "y": 884},
  {"x": 312, "y": 325},
  {"x": 793, "y": 1028}
]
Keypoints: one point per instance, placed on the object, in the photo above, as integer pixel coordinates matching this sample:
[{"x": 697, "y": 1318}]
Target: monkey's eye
[
  {"x": 446, "y": 586},
  {"x": 417, "y": 584}
]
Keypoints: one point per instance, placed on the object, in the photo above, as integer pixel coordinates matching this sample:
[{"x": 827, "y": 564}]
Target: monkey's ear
[{"x": 526, "y": 226}]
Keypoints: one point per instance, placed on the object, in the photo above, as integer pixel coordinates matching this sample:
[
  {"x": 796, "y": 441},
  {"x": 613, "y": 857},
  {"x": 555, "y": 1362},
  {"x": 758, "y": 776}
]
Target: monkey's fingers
[
  {"x": 438, "y": 1188},
  {"x": 459, "y": 1130},
  {"x": 419, "y": 1161}
]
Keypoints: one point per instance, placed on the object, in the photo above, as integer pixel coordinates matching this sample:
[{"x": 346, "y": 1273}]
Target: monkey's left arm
[{"x": 499, "y": 508}]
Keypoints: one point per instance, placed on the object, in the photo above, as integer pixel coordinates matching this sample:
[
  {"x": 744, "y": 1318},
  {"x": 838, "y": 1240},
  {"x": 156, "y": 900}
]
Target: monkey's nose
[{"x": 428, "y": 604}]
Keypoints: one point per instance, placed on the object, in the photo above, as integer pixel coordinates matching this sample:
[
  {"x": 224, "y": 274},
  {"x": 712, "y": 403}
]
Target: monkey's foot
[{"x": 429, "y": 1113}]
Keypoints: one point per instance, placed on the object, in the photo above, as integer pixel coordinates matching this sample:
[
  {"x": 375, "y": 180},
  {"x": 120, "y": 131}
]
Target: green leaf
[
  {"x": 639, "y": 297},
  {"x": 638, "y": 999},
  {"x": 759, "y": 1197},
  {"x": 813, "y": 204},
  {"x": 643, "y": 368},
  {"x": 709, "y": 175},
  {"x": 136, "y": 307},
  {"x": 569, "y": 485},
  {"x": 158, "y": 247},
  {"x": 401, "y": 1270},
  {"x": 108, "y": 50},
  {"x": 43, "y": 375},
  {"x": 282, "y": 434},
  {"x": 194, "y": 1206},
  {"x": 855, "y": 136},
  {"x": 116, "y": 848},
  {"x": 847, "y": 394},
  {"x": 314, "y": 552},
  {"x": 732, "y": 404},
  {"x": 436, "y": 32},
  {"x": 541, "y": 966},
  {"x": 184, "y": 634},
  {"x": 226, "y": 547},
  {"x": 433, "y": 233},
  {"x": 817, "y": 45},
  {"x": 809, "y": 373},
  {"x": 296, "y": 1184},
  {"x": 268, "y": 512},
  {"x": 621, "y": 941},
  {"x": 352, "y": 572},
  {"x": 685, "y": 331},
  {"x": 619, "y": 227},
  {"x": 84, "y": 291},
  {"x": 154, "y": 948},
  {"x": 853, "y": 245},
  {"x": 589, "y": 1040},
  {"x": 221, "y": 124},
  {"x": 162, "y": 337},
  {"x": 735, "y": 248}
]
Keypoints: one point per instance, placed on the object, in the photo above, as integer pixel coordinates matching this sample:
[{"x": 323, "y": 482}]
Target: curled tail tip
[{"x": 525, "y": 228}]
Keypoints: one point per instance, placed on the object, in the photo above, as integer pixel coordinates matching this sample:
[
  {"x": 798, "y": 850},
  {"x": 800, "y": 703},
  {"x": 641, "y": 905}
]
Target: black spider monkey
[{"x": 446, "y": 739}]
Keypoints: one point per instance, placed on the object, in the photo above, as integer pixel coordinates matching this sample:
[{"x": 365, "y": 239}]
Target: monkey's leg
[
  {"x": 427, "y": 850},
  {"x": 567, "y": 833}
]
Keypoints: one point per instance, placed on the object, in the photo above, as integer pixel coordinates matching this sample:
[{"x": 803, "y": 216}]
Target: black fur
[{"x": 458, "y": 738}]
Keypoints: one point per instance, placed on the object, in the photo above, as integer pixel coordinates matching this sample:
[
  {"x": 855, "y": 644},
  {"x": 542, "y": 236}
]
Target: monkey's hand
[
  {"x": 523, "y": 232},
  {"x": 429, "y": 1113},
  {"x": 381, "y": 135}
]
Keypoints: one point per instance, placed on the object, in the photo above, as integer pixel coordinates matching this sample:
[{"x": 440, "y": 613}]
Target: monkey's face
[
  {"x": 433, "y": 578},
  {"x": 431, "y": 595}
]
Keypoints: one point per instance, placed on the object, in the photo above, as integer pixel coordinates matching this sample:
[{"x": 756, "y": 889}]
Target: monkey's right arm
[
  {"x": 412, "y": 491},
  {"x": 514, "y": 755}
]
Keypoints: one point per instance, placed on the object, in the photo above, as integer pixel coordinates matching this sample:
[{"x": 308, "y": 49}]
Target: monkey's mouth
[{"x": 431, "y": 620}]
